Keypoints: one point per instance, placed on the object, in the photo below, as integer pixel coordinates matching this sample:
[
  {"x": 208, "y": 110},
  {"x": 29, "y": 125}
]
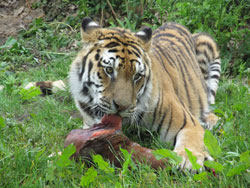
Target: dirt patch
[{"x": 15, "y": 15}]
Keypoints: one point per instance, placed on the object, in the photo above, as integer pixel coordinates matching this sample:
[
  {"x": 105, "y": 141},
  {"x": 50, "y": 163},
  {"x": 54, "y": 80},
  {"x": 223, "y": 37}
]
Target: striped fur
[
  {"x": 165, "y": 81},
  {"x": 209, "y": 60}
]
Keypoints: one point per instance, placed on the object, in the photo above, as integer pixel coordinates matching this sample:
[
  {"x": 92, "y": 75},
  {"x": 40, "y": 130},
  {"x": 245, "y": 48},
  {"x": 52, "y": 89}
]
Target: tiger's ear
[
  {"x": 145, "y": 35},
  {"x": 88, "y": 29}
]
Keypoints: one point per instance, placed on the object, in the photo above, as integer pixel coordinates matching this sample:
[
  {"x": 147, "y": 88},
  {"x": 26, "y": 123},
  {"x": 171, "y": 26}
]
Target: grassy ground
[{"x": 33, "y": 127}]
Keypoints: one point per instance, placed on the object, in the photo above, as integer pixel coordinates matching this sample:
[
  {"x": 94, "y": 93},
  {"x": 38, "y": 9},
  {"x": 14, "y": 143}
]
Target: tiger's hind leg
[
  {"x": 208, "y": 57},
  {"x": 210, "y": 121}
]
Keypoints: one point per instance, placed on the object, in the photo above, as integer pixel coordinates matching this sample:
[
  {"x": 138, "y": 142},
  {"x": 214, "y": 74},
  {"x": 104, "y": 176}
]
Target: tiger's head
[{"x": 112, "y": 72}]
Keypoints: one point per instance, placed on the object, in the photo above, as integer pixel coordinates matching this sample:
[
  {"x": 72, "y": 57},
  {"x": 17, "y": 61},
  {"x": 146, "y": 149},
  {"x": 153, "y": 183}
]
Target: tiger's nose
[{"x": 119, "y": 107}]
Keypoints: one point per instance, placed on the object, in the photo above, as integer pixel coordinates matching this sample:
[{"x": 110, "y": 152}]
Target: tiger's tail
[{"x": 208, "y": 56}]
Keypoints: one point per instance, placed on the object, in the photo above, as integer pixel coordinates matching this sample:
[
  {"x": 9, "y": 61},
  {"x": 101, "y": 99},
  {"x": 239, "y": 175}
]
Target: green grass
[
  {"x": 36, "y": 128},
  {"x": 31, "y": 129}
]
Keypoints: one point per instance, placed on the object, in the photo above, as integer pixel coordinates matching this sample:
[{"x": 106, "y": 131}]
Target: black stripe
[
  {"x": 191, "y": 60},
  {"x": 165, "y": 54},
  {"x": 170, "y": 122},
  {"x": 191, "y": 81},
  {"x": 184, "y": 121},
  {"x": 145, "y": 86},
  {"x": 86, "y": 108},
  {"x": 185, "y": 84},
  {"x": 213, "y": 92},
  {"x": 146, "y": 83},
  {"x": 204, "y": 71},
  {"x": 215, "y": 69},
  {"x": 99, "y": 75},
  {"x": 171, "y": 36},
  {"x": 84, "y": 64},
  {"x": 214, "y": 63},
  {"x": 111, "y": 45},
  {"x": 183, "y": 125},
  {"x": 191, "y": 117},
  {"x": 155, "y": 110},
  {"x": 161, "y": 122},
  {"x": 136, "y": 61},
  {"x": 89, "y": 83},
  {"x": 187, "y": 110},
  {"x": 208, "y": 45},
  {"x": 97, "y": 56},
  {"x": 138, "y": 51},
  {"x": 184, "y": 62},
  {"x": 183, "y": 31},
  {"x": 203, "y": 62},
  {"x": 85, "y": 89},
  {"x": 113, "y": 50},
  {"x": 162, "y": 63},
  {"x": 160, "y": 110},
  {"x": 110, "y": 38},
  {"x": 137, "y": 55},
  {"x": 83, "y": 67},
  {"x": 90, "y": 66},
  {"x": 201, "y": 109},
  {"x": 99, "y": 64},
  {"x": 117, "y": 39},
  {"x": 215, "y": 77}
]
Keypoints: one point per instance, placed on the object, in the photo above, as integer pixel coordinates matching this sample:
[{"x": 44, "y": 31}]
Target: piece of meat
[{"x": 106, "y": 139}]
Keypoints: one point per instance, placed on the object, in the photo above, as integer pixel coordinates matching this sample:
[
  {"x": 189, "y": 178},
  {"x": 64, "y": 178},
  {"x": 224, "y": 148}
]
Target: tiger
[{"x": 165, "y": 81}]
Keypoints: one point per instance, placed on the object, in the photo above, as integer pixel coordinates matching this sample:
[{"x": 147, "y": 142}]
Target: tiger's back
[{"x": 173, "y": 50}]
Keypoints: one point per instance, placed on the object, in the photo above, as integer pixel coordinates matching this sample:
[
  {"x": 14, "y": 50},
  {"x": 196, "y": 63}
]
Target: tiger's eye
[{"x": 109, "y": 70}]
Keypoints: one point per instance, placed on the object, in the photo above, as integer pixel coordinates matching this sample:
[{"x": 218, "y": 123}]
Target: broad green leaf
[
  {"x": 64, "y": 160},
  {"x": 2, "y": 122},
  {"x": 219, "y": 111},
  {"x": 240, "y": 167},
  {"x": 88, "y": 177},
  {"x": 165, "y": 153},
  {"x": 245, "y": 157},
  {"x": 127, "y": 162},
  {"x": 215, "y": 165},
  {"x": 103, "y": 165},
  {"x": 118, "y": 185},
  {"x": 192, "y": 158},
  {"x": 28, "y": 94},
  {"x": 201, "y": 176},
  {"x": 212, "y": 145}
]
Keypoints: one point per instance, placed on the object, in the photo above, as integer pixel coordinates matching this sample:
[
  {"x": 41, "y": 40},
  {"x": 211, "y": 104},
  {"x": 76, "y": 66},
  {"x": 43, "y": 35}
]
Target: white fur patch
[
  {"x": 92, "y": 24},
  {"x": 29, "y": 85},
  {"x": 141, "y": 33},
  {"x": 58, "y": 86},
  {"x": 212, "y": 83}
]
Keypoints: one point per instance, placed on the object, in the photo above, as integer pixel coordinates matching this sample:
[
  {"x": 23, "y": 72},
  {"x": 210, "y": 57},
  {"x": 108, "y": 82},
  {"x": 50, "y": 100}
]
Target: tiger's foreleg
[{"x": 190, "y": 136}]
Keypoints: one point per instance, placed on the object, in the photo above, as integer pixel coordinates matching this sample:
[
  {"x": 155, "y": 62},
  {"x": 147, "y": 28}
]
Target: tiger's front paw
[{"x": 186, "y": 164}]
